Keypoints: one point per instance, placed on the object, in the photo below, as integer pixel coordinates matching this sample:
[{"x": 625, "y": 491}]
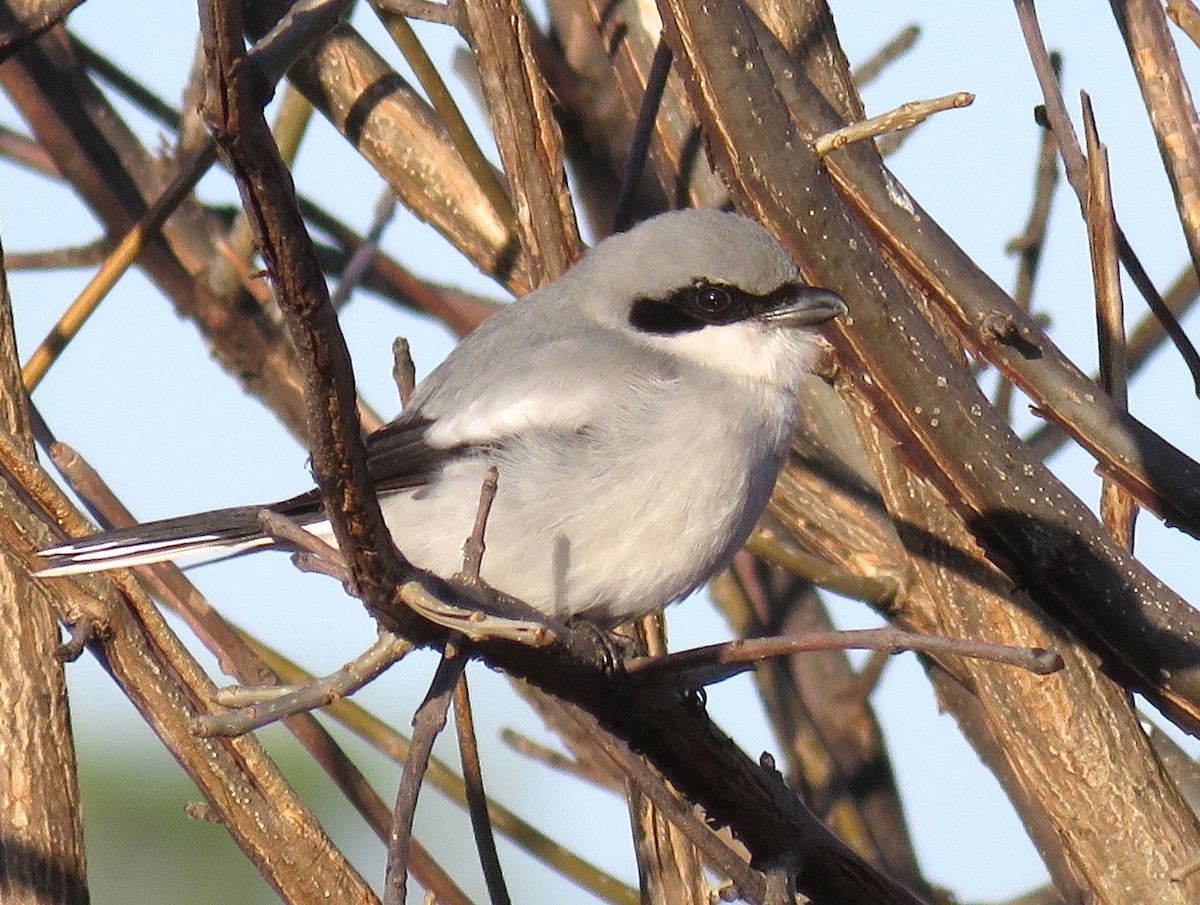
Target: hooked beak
[{"x": 808, "y": 306}]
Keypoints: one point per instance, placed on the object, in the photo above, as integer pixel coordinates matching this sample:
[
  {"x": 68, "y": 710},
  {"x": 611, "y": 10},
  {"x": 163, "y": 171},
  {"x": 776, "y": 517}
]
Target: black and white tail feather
[
  {"x": 191, "y": 539},
  {"x": 399, "y": 457}
]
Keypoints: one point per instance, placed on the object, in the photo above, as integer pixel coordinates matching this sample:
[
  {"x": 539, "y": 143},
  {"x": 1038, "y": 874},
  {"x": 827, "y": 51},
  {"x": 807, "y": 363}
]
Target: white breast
[{"x": 622, "y": 517}]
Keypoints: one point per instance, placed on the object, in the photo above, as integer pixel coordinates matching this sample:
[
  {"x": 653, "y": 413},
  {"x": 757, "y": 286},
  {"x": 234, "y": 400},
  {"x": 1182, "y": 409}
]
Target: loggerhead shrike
[{"x": 638, "y": 410}]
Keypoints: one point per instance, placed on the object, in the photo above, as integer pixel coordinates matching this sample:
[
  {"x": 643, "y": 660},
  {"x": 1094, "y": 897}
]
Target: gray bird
[{"x": 638, "y": 410}]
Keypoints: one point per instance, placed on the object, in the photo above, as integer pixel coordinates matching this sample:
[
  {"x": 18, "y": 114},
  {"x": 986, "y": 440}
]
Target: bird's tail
[{"x": 203, "y": 537}]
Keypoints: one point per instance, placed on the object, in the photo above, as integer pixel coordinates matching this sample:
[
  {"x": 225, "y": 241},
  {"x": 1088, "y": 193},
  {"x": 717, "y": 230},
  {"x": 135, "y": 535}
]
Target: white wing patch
[{"x": 483, "y": 423}]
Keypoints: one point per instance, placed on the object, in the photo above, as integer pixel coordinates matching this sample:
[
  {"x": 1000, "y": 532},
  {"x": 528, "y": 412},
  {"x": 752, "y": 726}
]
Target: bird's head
[{"x": 710, "y": 287}]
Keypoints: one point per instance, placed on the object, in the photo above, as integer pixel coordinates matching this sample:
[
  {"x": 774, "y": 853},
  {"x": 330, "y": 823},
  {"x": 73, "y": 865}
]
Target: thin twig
[
  {"x": 461, "y": 312},
  {"x": 1076, "y": 167},
  {"x": 88, "y": 255},
  {"x": 643, "y": 132},
  {"x": 1184, "y": 14},
  {"x": 902, "y": 118},
  {"x": 404, "y": 371},
  {"x": 425, "y": 10},
  {"x": 284, "y": 702},
  {"x": 870, "y": 68},
  {"x": 1144, "y": 340},
  {"x": 498, "y": 615},
  {"x": 1117, "y": 507},
  {"x": 429, "y": 720},
  {"x": 1168, "y": 102},
  {"x": 474, "y": 547},
  {"x": 121, "y": 259},
  {"x": 554, "y": 759},
  {"x": 443, "y": 102},
  {"x": 364, "y": 255},
  {"x": 309, "y": 552},
  {"x": 1029, "y": 245},
  {"x": 121, "y": 81},
  {"x": 1110, "y": 308},
  {"x": 22, "y": 33},
  {"x": 28, "y": 153},
  {"x": 477, "y": 800},
  {"x": 716, "y": 662},
  {"x": 280, "y": 527},
  {"x": 867, "y": 678},
  {"x": 779, "y": 550}
]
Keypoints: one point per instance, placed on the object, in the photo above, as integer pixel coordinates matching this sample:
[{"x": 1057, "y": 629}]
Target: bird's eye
[{"x": 712, "y": 299}]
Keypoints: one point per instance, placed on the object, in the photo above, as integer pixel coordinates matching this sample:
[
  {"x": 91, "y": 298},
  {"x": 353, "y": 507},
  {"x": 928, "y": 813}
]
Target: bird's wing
[
  {"x": 486, "y": 392},
  {"x": 400, "y": 455}
]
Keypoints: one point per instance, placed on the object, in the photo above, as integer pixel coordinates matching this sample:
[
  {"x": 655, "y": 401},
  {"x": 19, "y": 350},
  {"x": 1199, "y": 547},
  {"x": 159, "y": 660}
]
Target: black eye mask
[{"x": 705, "y": 304}]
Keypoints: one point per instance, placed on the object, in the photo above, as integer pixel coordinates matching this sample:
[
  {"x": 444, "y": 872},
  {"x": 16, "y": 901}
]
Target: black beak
[{"x": 807, "y": 306}]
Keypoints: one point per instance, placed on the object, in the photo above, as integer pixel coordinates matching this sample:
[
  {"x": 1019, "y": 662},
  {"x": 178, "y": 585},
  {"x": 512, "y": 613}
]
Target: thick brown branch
[
  {"x": 395, "y": 130},
  {"x": 339, "y": 454},
  {"x": 1169, "y": 103},
  {"x": 1045, "y": 536},
  {"x": 526, "y": 134},
  {"x": 41, "y": 822},
  {"x": 260, "y": 810},
  {"x": 16, "y": 36},
  {"x": 927, "y": 400}
]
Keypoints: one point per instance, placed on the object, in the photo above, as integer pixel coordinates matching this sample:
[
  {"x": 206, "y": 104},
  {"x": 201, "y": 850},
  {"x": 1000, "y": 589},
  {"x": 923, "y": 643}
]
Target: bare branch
[
  {"x": 717, "y": 662},
  {"x": 1076, "y": 167},
  {"x": 443, "y": 102},
  {"x": 120, "y": 260},
  {"x": 904, "y": 117},
  {"x": 643, "y": 131},
  {"x": 869, "y": 69},
  {"x": 361, "y": 260},
  {"x": 428, "y": 722},
  {"x": 473, "y": 548},
  {"x": 526, "y": 134},
  {"x": 1172, "y": 114},
  {"x": 477, "y": 801},
  {"x": 1117, "y": 508},
  {"x": 426, "y": 10},
  {"x": 403, "y": 370},
  {"x": 1185, "y": 14},
  {"x": 1028, "y": 246},
  {"x": 16, "y": 37},
  {"x": 275, "y": 702}
]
